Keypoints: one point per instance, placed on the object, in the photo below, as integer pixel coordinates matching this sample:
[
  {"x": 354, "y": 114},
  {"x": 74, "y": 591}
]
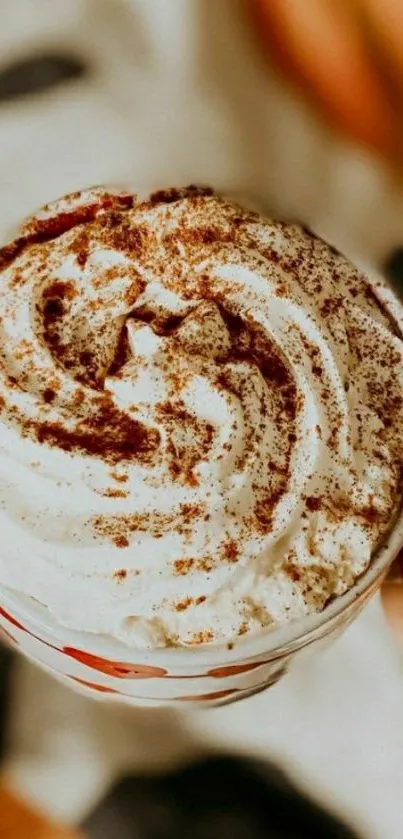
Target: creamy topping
[{"x": 201, "y": 418}]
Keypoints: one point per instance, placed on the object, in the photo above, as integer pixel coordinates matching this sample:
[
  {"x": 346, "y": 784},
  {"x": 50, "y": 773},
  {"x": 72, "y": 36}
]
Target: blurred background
[{"x": 157, "y": 92}]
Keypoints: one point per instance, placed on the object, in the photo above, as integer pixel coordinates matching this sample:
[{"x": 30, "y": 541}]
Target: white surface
[
  {"x": 335, "y": 724},
  {"x": 211, "y": 115}
]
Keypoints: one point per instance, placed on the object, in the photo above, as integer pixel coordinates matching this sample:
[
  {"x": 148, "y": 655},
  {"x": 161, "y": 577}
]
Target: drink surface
[{"x": 201, "y": 418}]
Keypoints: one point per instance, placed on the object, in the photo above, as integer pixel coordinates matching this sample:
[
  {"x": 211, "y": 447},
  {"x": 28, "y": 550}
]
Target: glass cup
[
  {"x": 104, "y": 668},
  {"x": 210, "y": 675}
]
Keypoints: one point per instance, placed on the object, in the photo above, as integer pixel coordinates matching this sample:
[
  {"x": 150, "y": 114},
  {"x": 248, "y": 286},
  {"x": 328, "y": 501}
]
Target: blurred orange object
[
  {"x": 345, "y": 57},
  {"x": 18, "y": 821},
  {"x": 392, "y": 598}
]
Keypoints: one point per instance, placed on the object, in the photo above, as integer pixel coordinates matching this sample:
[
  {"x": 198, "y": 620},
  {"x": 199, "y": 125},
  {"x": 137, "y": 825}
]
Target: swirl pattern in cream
[{"x": 201, "y": 418}]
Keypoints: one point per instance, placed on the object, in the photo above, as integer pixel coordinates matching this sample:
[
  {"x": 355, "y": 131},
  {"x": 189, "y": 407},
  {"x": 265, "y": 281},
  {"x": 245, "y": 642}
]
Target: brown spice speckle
[
  {"x": 313, "y": 503},
  {"x": 48, "y": 394},
  {"x": 121, "y": 542}
]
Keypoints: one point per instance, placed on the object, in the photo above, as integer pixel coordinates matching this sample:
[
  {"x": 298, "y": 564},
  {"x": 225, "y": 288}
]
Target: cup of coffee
[{"x": 201, "y": 438}]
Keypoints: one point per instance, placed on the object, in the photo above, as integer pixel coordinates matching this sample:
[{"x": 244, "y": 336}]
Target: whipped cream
[{"x": 201, "y": 418}]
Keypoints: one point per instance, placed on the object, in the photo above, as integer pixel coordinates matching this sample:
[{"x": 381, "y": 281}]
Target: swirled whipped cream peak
[{"x": 201, "y": 418}]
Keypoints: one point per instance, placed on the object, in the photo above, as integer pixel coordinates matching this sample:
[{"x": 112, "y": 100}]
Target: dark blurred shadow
[
  {"x": 39, "y": 73},
  {"x": 6, "y": 662},
  {"x": 393, "y": 270},
  {"x": 214, "y": 798}
]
